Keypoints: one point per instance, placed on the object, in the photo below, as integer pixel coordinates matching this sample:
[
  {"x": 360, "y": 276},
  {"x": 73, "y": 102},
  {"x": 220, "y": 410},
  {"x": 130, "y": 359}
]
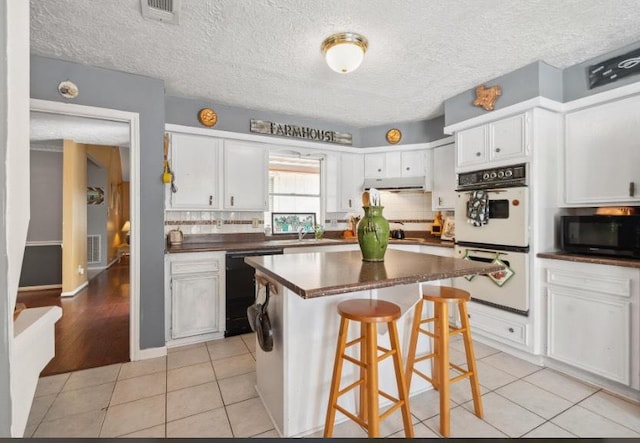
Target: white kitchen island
[{"x": 294, "y": 378}]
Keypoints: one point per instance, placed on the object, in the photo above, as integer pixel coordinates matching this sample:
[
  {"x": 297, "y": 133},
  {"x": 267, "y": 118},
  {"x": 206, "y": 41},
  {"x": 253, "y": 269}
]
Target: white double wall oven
[{"x": 501, "y": 236}]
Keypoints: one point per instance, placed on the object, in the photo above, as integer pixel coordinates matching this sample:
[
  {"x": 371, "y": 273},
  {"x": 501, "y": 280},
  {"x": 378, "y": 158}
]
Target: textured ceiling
[{"x": 266, "y": 54}]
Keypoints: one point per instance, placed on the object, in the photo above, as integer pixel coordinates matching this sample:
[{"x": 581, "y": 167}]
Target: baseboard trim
[
  {"x": 144, "y": 354},
  {"x": 75, "y": 291},
  {"x": 38, "y": 288}
]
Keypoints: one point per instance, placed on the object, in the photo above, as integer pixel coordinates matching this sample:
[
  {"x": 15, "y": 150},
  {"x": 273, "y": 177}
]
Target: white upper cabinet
[
  {"x": 413, "y": 163},
  {"x": 375, "y": 165},
  {"x": 246, "y": 175},
  {"x": 472, "y": 146},
  {"x": 351, "y": 177},
  {"x": 195, "y": 164},
  {"x": 444, "y": 178},
  {"x": 497, "y": 143},
  {"x": 602, "y": 154},
  {"x": 395, "y": 164}
]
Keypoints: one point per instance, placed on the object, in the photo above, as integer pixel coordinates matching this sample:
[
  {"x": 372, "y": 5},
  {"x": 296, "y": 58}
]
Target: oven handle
[
  {"x": 489, "y": 191},
  {"x": 486, "y": 252}
]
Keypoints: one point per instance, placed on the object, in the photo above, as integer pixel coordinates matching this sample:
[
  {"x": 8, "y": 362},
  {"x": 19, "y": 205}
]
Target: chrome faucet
[{"x": 301, "y": 233}]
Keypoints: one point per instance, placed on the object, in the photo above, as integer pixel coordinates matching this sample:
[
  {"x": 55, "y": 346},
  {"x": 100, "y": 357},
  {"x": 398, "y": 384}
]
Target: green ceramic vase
[{"x": 373, "y": 234}]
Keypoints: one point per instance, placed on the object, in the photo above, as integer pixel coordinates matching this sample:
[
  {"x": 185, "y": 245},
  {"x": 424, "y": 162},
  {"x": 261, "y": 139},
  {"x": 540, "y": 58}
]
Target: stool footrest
[
  {"x": 423, "y": 375},
  {"x": 424, "y": 357},
  {"x": 427, "y": 332},
  {"x": 350, "y": 387},
  {"x": 351, "y": 416},
  {"x": 355, "y": 361},
  {"x": 460, "y": 377},
  {"x": 392, "y": 409},
  {"x": 458, "y": 368},
  {"x": 385, "y": 353}
]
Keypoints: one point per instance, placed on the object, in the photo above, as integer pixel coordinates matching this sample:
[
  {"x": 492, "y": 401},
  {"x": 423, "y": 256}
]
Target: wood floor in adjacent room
[{"x": 94, "y": 328}]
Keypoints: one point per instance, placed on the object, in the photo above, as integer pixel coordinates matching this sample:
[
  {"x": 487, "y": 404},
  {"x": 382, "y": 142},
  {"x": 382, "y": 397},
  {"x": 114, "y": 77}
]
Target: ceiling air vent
[{"x": 167, "y": 11}]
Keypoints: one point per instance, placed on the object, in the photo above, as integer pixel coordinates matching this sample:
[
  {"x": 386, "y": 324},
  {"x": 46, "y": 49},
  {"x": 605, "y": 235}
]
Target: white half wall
[{"x": 14, "y": 181}]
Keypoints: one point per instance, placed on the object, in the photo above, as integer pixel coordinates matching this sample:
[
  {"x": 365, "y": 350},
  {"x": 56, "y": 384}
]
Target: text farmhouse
[{"x": 303, "y": 132}]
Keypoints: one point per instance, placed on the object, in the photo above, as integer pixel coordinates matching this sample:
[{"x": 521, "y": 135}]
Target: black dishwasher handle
[{"x": 242, "y": 254}]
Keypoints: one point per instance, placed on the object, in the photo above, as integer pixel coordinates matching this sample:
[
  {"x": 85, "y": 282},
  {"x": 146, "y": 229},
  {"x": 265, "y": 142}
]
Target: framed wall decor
[{"x": 95, "y": 196}]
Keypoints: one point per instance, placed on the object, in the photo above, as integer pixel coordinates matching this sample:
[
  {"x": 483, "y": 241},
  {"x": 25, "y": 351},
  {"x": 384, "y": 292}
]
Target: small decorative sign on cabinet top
[
  {"x": 486, "y": 97},
  {"x": 613, "y": 69},
  {"x": 303, "y": 132}
]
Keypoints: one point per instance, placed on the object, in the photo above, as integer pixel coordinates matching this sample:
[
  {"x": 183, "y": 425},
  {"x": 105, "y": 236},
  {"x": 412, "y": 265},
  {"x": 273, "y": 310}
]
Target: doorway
[{"x": 122, "y": 277}]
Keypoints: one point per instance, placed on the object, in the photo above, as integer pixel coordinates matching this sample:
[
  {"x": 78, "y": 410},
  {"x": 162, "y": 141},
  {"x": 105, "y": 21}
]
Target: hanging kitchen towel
[{"x": 478, "y": 208}]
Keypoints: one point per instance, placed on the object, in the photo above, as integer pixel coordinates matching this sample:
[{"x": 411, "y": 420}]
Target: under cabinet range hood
[{"x": 396, "y": 183}]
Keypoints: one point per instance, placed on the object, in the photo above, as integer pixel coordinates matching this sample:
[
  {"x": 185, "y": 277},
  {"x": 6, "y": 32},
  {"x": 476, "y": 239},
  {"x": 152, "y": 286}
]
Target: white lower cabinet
[
  {"x": 195, "y": 296},
  {"x": 499, "y": 325},
  {"x": 592, "y": 319}
]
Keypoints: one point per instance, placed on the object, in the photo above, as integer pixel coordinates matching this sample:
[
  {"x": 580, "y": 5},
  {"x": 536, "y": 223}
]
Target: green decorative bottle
[{"x": 373, "y": 234}]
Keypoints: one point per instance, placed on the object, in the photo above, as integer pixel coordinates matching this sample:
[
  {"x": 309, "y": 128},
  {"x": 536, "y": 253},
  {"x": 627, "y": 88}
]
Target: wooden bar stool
[
  {"x": 369, "y": 313},
  {"x": 441, "y": 296}
]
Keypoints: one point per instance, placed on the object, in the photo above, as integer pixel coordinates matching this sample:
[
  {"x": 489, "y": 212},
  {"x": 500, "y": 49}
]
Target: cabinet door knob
[
  {"x": 632, "y": 189},
  {"x": 511, "y": 330},
  {"x": 497, "y": 149},
  {"x": 349, "y": 202},
  {"x": 477, "y": 154},
  {"x": 232, "y": 200},
  {"x": 408, "y": 168},
  {"x": 210, "y": 200},
  {"x": 439, "y": 201},
  {"x": 379, "y": 170}
]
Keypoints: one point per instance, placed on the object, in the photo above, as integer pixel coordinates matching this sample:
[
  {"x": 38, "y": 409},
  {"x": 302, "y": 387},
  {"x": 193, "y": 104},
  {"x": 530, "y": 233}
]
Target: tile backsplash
[
  {"x": 210, "y": 222},
  {"x": 413, "y": 209}
]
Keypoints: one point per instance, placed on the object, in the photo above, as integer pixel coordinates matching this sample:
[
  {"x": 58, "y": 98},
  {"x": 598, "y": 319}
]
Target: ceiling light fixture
[{"x": 344, "y": 51}]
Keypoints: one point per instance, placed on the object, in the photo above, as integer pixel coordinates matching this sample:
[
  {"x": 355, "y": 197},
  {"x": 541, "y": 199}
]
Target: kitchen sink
[{"x": 306, "y": 241}]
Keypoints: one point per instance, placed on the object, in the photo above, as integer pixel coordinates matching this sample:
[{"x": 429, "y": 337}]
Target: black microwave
[{"x": 611, "y": 235}]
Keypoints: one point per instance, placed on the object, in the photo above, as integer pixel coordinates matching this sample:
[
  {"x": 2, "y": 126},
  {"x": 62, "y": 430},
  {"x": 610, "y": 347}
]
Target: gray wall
[
  {"x": 97, "y": 214},
  {"x": 46, "y": 196},
  {"x": 5, "y": 336},
  {"x": 118, "y": 90},
  {"x": 41, "y": 265},
  {"x": 575, "y": 77},
  {"x": 184, "y": 111},
  {"x": 412, "y": 132},
  {"x": 533, "y": 80}
]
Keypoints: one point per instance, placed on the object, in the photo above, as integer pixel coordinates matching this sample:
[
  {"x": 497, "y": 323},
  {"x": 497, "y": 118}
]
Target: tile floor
[{"x": 207, "y": 390}]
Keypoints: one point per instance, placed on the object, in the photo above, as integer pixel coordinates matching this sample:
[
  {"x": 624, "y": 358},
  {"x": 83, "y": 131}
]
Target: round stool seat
[
  {"x": 444, "y": 293},
  {"x": 367, "y": 310}
]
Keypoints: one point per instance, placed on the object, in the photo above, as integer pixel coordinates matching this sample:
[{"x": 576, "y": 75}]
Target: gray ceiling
[{"x": 265, "y": 54}]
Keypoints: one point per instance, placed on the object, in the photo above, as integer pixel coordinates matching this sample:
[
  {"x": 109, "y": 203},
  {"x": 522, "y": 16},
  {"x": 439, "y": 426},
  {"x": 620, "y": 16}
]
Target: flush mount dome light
[{"x": 344, "y": 52}]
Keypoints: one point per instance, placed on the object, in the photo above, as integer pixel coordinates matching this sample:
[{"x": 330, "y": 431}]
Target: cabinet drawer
[
  {"x": 498, "y": 327},
  {"x": 620, "y": 286},
  {"x": 192, "y": 267}
]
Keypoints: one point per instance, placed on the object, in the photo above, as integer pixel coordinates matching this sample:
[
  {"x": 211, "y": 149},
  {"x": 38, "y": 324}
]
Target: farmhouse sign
[{"x": 303, "y": 132}]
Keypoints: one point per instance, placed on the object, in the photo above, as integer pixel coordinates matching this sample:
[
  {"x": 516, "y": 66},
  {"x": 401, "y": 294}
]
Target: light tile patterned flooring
[{"x": 207, "y": 390}]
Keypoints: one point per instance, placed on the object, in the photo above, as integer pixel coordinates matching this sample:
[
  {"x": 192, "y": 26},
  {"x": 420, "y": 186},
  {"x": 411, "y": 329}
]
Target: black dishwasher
[{"x": 240, "y": 292}]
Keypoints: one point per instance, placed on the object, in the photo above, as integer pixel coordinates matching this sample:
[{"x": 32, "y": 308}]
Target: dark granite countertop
[
  {"x": 317, "y": 274},
  {"x": 594, "y": 259},
  {"x": 238, "y": 242}
]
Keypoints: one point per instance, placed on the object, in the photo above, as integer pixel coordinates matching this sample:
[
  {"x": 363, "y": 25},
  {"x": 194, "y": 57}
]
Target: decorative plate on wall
[
  {"x": 207, "y": 117},
  {"x": 393, "y": 136}
]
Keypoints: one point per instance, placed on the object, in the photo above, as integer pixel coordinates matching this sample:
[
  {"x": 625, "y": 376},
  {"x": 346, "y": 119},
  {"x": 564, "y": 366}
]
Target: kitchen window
[{"x": 294, "y": 185}]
